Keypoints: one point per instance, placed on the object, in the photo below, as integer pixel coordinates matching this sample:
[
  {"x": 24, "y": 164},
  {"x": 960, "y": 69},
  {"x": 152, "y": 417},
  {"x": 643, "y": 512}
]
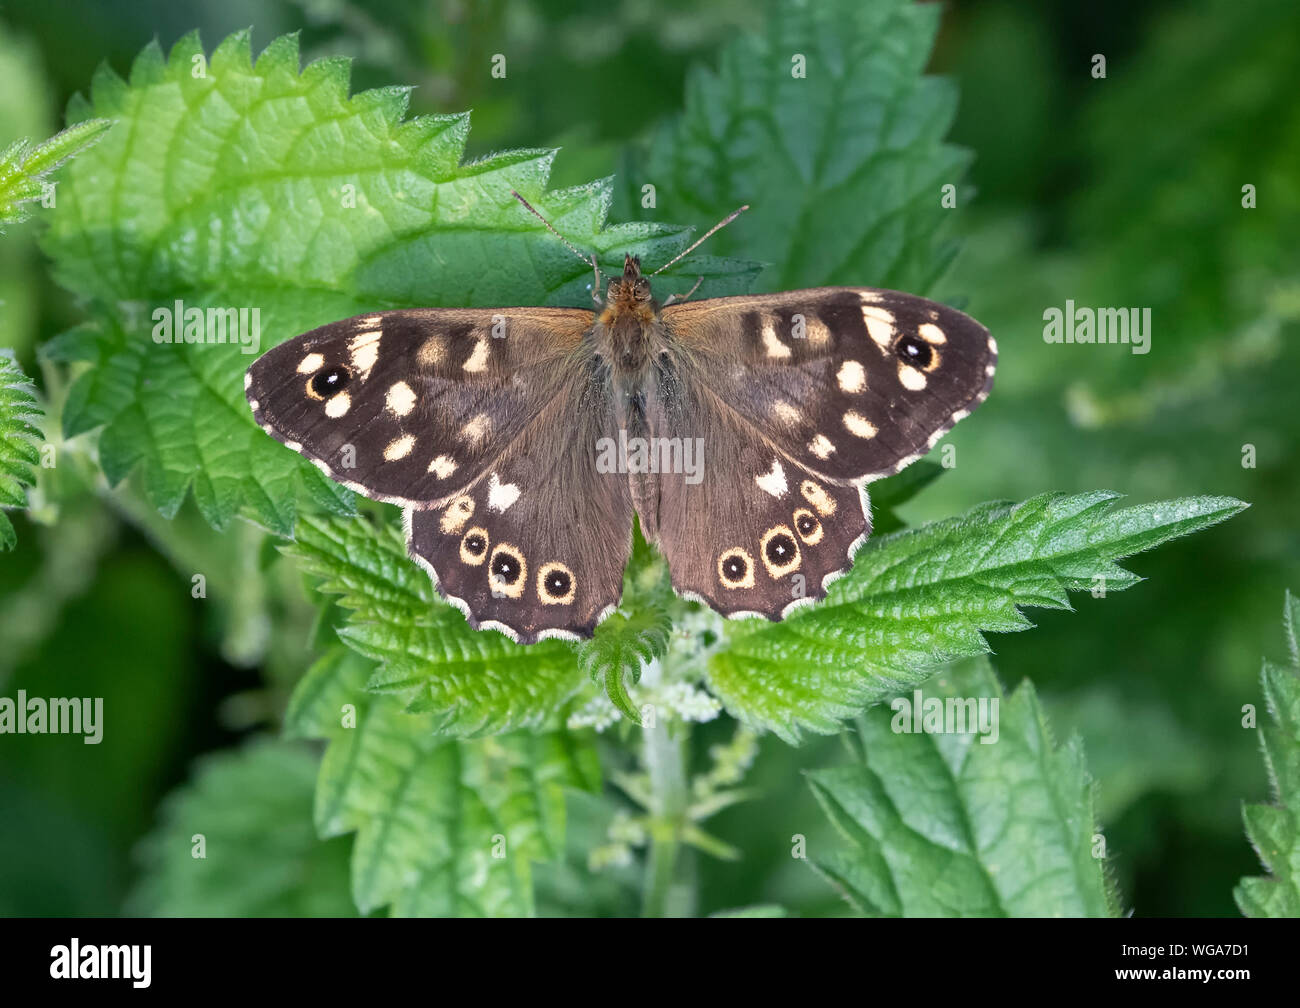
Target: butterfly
[{"x": 521, "y": 442}]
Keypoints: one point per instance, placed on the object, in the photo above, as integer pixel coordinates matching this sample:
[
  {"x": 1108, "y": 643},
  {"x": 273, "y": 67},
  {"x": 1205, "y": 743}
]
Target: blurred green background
[{"x": 1123, "y": 191}]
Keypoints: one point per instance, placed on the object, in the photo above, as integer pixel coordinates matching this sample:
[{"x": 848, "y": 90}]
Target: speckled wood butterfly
[{"x": 740, "y": 431}]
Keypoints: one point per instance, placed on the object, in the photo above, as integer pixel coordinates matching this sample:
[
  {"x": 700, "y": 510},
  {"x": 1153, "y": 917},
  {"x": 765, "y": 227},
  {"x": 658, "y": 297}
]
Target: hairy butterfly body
[{"x": 755, "y": 424}]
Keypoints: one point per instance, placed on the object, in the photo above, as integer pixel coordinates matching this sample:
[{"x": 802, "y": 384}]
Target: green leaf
[
  {"x": 233, "y": 184},
  {"x": 23, "y": 168},
  {"x": 444, "y": 827},
  {"x": 469, "y": 682},
  {"x": 19, "y": 414},
  {"x": 950, "y": 825},
  {"x": 1275, "y": 829},
  {"x": 636, "y": 633},
  {"x": 843, "y": 167},
  {"x": 757, "y": 910},
  {"x": 251, "y": 811},
  {"x": 918, "y": 599}
]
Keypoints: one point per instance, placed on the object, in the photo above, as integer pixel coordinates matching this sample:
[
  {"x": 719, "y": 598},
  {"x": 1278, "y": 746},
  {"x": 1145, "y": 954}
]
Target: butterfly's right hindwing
[{"x": 411, "y": 406}]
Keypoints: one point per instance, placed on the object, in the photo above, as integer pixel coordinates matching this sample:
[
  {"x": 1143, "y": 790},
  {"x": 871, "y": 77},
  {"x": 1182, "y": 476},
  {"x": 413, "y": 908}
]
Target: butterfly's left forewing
[{"x": 410, "y": 406}]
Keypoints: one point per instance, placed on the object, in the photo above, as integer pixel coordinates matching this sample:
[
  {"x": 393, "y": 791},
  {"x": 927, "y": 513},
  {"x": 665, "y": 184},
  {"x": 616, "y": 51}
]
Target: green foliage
[
  {"x": 1275, "y": 829},
  {"x": 23, "y": 168},
  {"x": 917, "y": 599},
  {"x": 250, "y": 810},
  {"x": 468, "y": 682},
  {"x": 947, "y": 825},
  {"x": 913, "y": 601},
  {"x": 444, "y": 827},
  {"x": 311, "y": 206},
  {"x": 843, "y": 167},
  {"x": 19, "y": 414},
  {"x": 636, "y": 633}
]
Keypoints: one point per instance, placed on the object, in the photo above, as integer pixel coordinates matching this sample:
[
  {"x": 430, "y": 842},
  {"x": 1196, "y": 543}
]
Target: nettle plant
[{"x": 232, "y": 182}]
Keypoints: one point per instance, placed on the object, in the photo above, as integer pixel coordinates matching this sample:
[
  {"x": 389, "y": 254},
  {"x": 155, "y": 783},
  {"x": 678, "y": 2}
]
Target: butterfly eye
[
  {"x": 613, "y": 290},
  {"x": 642, "y": 290},
  {"x": 327, "y": 381},
  {"x": 914, "y": 351}
]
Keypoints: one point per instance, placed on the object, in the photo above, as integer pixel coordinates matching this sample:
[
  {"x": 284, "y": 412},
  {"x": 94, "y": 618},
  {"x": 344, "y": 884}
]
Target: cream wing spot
[
  {"x": 821, "y": 446},
  {"x": 771, "y": 343},
  {"x": 912, "y": 379},
  {"x": 478, "y": 360},
  {"x": 817, "y": 332},
  {"x": 338, "y": 405},
  {"x": 442, "y": 466},
  {"x": 852, "y": 377},
  {"x": 858, "y": 425},
  {"x": 817, "y": 496},
  {"x": 399, "y": 448},
  {"x": 931, "y": 333},
  {"x": 786, "y": 413},
  {"x": 477, "y": 429},
  {"x": 501, "y": 495},
  {"x": 880, "y": 325},
  {"x": 309, "y": 364},
  {"x": 432, "y": 352},
  {"x": 364, "y": 349},
  {"x": 773, "y": 481},
  {"x": 400, "y": 399},
  {"x": 457, "y": 515}
]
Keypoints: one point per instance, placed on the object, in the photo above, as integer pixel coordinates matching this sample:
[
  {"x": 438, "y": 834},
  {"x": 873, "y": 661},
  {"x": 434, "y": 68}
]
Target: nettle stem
[{"x": 669, "y": 890}]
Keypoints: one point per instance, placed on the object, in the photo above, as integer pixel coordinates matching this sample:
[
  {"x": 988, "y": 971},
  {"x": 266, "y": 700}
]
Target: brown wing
[
  {"x": 751, "y": 532},
  {"x": 800, "y": 399},
  {"x": 852, "y": 383},
  {"x": 412, "y": 406},
  {"x": 536, "y": 545}
]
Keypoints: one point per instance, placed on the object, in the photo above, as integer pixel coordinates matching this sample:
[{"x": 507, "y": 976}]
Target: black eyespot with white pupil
[
  {"x": 914, "y": 351},
  {"x": 807, "y": 525},
  {"x": 557, "y": 584},
  {"x": 734, "y": 568},
  {"x": 779, "y": 549},
  {"x": 506, "y": 568},
  {"x": 475, "y": 544},
  {"x": 327, "y": 381}
]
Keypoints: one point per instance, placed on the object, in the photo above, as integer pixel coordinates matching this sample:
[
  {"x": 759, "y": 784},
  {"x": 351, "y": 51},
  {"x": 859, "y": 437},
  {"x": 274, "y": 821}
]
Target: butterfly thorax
[{"x": 628, "y": 333}]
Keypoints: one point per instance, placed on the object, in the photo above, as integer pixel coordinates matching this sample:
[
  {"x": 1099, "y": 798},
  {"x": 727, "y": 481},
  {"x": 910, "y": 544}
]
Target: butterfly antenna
[
  {"x": 567, "y": 244},
  {"x": 703, "y": 238}
]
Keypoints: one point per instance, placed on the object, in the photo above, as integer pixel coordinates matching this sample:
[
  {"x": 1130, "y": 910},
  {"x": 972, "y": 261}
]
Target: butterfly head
[{"x": 629, "y": 295}]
